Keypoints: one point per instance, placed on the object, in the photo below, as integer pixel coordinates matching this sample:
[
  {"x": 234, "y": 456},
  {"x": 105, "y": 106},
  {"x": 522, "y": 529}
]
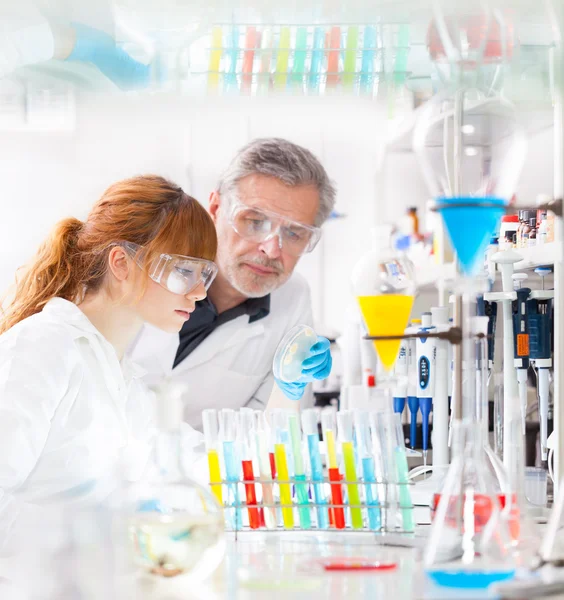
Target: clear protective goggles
[
  {"x": 259, "y": 225},
  {"x": 176, "y": 273}
]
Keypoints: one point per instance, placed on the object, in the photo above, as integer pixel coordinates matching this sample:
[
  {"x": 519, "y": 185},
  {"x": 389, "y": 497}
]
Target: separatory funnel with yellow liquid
[{"x": 384, "y": 286}]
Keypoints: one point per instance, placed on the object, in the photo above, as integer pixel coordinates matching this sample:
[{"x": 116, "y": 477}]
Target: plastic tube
[
  {"x": 316, "y": 58},
  {"x": 345, "y": 425},
  {"x": 309, "y": 425},
  {"x": 282, "y": 58},
  {"x": 368, "y": 55},
  {"x": 247, "y": 426},
  {"x": 228, "y": 426},
  {"x": 211, "y": 439},
  {"x": 351, "y": 50},
  {"x": 328, "y": 425},
  {"x": 281, "y": 434},
  {"x": 299, "y": 472},
  {"x": 265, "y": 472},
  {"x": 215, "y": 57}
]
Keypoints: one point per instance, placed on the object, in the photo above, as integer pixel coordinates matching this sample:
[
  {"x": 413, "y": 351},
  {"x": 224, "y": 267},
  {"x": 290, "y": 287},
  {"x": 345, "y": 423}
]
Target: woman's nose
[{"x": 198, "y": 293}]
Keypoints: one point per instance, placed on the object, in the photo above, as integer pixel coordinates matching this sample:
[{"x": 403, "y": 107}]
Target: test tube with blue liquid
[
  {"x": 362, "y": 432},
  {"x": 228, "y": 419},
  {"x": 310, "y": 428}
]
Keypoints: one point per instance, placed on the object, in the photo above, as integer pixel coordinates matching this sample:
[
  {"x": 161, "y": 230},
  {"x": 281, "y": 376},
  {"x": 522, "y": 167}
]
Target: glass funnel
[
  {"x": 470, "y": 543},
  {"x": 384, "y": 286}
]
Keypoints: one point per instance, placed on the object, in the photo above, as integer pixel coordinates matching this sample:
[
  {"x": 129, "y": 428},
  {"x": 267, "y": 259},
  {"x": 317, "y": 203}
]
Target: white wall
[{"x": 45, "y": 177}]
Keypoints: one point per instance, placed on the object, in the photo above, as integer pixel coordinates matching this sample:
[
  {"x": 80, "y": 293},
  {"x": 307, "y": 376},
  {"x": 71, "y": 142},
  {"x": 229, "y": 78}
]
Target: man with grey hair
[{"x": 268, "y": 208}]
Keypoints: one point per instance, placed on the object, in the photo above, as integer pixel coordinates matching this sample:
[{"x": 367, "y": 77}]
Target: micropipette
[
  {"x": 521, "y": 341},
  {"x": 426, "y": 355},
  {"x": 539, "y": 308},
  {"x": 412, "y": 377},
  {"x": 228, "y": 428},
  {"x": 299, "y": 471},
  {"x": 328, "y": 426},
  {"x": 265, "y": 468},
  {"x": 362, "y": 433},
  {"x": 345, "y": 427},
  {"x": 309, "y": 425},
  {"x": 248, "y": 439},
  {"x": 400, "y": 368},
  {"x": 280, "y": 424},
  {"x": 211, "y": 439}
]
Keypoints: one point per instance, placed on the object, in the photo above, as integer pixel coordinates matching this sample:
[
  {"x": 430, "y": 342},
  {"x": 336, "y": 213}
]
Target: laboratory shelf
[{"x": 537, "y": 256}]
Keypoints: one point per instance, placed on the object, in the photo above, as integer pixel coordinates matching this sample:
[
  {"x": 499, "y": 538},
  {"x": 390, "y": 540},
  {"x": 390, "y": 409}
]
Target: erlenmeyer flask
[{"x": 470, "y": 544}]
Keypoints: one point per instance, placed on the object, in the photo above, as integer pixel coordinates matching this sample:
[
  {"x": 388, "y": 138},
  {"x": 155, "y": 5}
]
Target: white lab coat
[
  {"x": 232, "y": 367},
  {"x": 69, "y": 413}
]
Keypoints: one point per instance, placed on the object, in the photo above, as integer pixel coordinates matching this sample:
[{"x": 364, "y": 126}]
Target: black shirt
[{"x": 205, "y": 319}]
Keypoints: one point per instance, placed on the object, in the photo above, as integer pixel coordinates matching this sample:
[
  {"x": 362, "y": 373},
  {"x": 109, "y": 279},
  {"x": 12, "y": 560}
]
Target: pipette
[
  {"x": 299, "y": 471},
  {"x": 440, "y": 390},
  {"x": 521, "y": 341},
  {"x": 400, "y": 368},
  {"x": 228, "y": 428},
  {"x": 328, "y": 425},
  {"x": 309, "y": 425},
  {"x": 412, "y": 376},
  {"x": 280, "y": 424},
  {"x": 345, "y": 427},
  {"x": 539, "y": 308},
  {"x": 265, "y": 468},
  {"x": 211, "y": 440},
  {"x": 248, "y": 439},
  {"x": 426, "y": 356},
  {"x": 362, "y": 434}
]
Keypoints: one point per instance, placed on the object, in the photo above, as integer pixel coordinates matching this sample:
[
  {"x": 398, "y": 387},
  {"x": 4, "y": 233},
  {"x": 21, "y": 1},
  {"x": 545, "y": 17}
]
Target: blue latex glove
[
  {"x": 99, "y": 48},
  {"x": 316, "y": 366}
]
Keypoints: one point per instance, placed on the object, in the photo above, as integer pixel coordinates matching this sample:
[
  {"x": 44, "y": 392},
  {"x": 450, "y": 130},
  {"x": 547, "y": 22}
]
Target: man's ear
[
  {"x": 118, "y": 263},
  {"x": 214, "y": 204}
]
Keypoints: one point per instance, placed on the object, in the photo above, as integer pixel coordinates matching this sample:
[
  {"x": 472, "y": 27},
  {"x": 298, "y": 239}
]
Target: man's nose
[{"x": 271, "y": 247}]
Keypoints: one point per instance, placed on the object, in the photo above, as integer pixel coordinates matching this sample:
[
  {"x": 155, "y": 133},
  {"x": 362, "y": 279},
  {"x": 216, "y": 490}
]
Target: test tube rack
[{"x": 390, "y": 514}]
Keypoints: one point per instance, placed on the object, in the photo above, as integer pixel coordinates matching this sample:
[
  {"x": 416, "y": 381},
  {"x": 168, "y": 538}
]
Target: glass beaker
[{"x": 470, "y": 543}]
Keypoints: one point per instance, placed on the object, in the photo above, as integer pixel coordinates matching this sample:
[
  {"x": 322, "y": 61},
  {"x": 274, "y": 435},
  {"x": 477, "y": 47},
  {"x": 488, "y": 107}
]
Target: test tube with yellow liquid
[
  {"x": 211, "y": 438},
  {"x": 281, "y": 432},
  {"x": 345, "y": 428}
]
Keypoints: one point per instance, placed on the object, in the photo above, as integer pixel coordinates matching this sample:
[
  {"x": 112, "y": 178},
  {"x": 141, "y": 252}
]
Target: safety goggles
[
  {"x": 258, "y": 225},
  {"x": 178, "y": 274}
]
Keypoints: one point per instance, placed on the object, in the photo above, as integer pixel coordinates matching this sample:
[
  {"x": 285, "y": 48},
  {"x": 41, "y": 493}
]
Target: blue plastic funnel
[{"x": 470, "y": 227}]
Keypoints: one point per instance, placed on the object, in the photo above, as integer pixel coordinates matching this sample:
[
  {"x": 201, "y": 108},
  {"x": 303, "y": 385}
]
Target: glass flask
[
  {"x": 470, "y": 543},
  {"x": 167, "y": 524},
  {"x": 384, "y": 285}
]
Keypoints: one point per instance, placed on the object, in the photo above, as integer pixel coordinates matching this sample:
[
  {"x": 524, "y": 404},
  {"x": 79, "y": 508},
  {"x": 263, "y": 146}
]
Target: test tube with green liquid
[
  {"x": 345, "y": 428},
  {"x": 282, "y": 58},
  {"x": 299, "y": 471},
  {"x": 351, "y": 51}
]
